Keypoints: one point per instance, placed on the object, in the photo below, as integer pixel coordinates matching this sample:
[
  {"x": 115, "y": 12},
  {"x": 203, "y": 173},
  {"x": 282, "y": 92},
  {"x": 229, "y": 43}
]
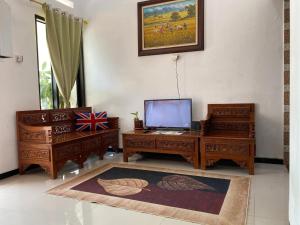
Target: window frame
[{"x": 80, "y": 81}]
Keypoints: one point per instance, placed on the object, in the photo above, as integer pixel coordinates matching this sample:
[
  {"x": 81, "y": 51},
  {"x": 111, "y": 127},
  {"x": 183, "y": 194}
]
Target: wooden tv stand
[{"x": 186, "y": 144}]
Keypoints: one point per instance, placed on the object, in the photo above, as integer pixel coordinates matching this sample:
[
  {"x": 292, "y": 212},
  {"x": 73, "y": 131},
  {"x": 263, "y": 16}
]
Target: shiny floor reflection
[{"x": 23, "y": 199}]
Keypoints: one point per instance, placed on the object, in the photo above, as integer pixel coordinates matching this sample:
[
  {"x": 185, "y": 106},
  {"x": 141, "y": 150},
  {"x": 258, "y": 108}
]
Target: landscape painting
[{"x": 170, "y": 26}]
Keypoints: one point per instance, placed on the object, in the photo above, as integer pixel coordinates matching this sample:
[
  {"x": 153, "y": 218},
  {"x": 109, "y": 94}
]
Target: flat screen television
[{"x": 168, "y": 113}]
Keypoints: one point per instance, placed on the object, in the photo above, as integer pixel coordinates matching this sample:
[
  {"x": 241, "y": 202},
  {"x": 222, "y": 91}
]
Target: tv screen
[{"x": 175, "y": 113}]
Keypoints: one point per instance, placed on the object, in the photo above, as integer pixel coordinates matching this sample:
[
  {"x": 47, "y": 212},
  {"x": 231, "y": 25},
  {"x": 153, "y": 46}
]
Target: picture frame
[{"x": 170, "y": 26}]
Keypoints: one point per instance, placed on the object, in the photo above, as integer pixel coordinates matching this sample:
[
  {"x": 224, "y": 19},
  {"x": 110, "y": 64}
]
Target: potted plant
[{"x": 138, "y": 124}]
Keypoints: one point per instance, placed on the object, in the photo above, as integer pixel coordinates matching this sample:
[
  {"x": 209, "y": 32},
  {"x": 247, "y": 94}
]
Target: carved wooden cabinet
[
  {"x": 186, "y": 145},
  {"x": 48, "y": 138}
]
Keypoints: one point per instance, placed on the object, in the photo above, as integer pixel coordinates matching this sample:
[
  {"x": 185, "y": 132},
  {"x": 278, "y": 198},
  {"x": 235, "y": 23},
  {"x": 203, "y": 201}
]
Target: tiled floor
[{"x": 23, "y": 199}]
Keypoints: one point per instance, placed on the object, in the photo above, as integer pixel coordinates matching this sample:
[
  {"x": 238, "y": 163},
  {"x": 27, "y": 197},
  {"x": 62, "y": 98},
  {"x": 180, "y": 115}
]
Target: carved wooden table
[{"x": 186, "y": 145}]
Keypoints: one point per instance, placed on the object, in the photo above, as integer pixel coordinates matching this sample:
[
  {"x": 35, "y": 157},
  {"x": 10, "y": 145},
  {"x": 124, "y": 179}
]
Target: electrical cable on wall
[
  {"x": 177, "y": 80},
  {"x": 175, "y": 59}
]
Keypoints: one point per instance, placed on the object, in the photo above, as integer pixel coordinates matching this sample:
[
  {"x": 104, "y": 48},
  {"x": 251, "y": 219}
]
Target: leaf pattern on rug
[
  {"x": 123, "y": 187},
  {"x": 182, "y": 183}
]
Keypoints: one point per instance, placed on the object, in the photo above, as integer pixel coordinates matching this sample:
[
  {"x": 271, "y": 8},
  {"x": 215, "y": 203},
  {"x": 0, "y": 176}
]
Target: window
[{"x": 50, "y": 97}]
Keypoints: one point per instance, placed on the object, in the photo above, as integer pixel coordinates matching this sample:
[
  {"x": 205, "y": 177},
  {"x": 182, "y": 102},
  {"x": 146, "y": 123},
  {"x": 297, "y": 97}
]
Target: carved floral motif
[
  {"x": 228, "y": 148},
  {"x": 32, "y": 136},
  {"x": 230, "y": 126},
  {"x": 39, "y": 154},
  {"x": 140, "y": 143},
  {"x": 181, "y": 145},
  {"x": 35, "y": 118},
  {"x": 60, "y": 116},
  {"x": 231, "y": 112},
  {"x": 61, "y": 129}
]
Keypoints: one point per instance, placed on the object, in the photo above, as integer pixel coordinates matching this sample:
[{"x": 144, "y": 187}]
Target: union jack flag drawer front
[{"x": 91, "y": 121}]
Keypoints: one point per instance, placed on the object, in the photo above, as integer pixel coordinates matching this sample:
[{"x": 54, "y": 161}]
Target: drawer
[
  {"x": 139, "y": 142},
  {"x": 227, "y": 148},
  {"x": 183, "y": 145}
]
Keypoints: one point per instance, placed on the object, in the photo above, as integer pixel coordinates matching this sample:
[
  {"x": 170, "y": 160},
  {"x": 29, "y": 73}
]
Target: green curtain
[{"x": 63, "y": 38}]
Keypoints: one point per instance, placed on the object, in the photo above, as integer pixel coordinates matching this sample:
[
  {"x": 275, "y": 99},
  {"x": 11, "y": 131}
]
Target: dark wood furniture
[
  {"x": 186, "y": 145},
  {"x": 48, "y": 138},
  {"x": 229, "y": 133}
]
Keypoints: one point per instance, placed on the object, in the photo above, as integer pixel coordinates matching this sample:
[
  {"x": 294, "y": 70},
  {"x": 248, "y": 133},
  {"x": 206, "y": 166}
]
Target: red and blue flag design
[{"x": 91, "y": 121}]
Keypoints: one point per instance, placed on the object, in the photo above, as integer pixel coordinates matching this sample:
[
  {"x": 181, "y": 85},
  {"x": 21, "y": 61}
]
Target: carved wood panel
[
  {"x": 229, "y": 126},
  {"x": 61, "y": 116},
  {"x": 184, "y": 145},
  {"x": 39, "y": 155},
  {"x": 35, "y": 154},
  {"x": 244, "y": 112},
  {"x": 35, "y": 118},
  {"x": 230, "y": 148},
  {"x": 26, "y": 135},
  {"x": 61, "y": 129},
  {"x": 140, "y": 142}
]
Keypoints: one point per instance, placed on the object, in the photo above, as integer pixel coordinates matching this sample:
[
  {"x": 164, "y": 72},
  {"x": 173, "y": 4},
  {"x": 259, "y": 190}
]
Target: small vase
[{"x": 138, "y": 125}]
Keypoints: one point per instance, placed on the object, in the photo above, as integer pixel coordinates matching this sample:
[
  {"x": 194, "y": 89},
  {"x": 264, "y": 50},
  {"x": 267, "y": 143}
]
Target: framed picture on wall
[{"x": 170, "y": 26}]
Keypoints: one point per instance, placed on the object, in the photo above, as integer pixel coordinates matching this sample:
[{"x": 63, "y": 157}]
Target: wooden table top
[
  {"x": 153, "y": 133},
  {"x": 76, "y": 135}
]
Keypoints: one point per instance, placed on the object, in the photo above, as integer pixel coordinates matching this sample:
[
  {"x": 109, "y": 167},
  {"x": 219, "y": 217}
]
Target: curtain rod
[
  {"x": 39, "y": 3},
  {"x": 36, "y": 2}
]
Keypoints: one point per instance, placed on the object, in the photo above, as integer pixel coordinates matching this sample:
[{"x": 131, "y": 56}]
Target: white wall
[
  {"x": 295, "y": 112},
  {"x": 242, "y": 62},
  {"x": 18, "y": 82}
]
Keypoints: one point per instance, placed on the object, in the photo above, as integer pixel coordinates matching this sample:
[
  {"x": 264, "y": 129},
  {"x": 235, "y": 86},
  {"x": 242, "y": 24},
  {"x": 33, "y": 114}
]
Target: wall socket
[
  {"x": 175, "y": 57},
  {"x": 19, "y": 58}
]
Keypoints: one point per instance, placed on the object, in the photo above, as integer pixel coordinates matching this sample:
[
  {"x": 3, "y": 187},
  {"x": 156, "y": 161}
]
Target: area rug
[{"x": 207, "y": 199}]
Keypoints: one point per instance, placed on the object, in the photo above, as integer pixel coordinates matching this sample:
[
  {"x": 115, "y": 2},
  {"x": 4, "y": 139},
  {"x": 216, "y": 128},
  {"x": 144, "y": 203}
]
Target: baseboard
[
  {"x": 269, "y": 161},
  {"x": 9, "y": 174},
  {"x": 16, "y": 172}
]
